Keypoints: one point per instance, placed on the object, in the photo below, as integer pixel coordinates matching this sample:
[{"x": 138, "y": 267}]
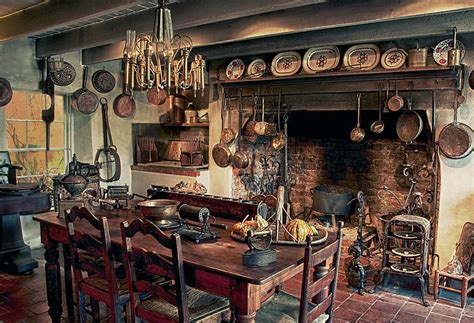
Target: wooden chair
[
  {"x": 94, "y": 256},
  {"x": 171, "y": 300},
  {"x": 286, "y": 307},
  {"x": 464, "y": 252}
]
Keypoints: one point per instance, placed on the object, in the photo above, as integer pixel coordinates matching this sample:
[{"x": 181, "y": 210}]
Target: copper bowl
[{"x": 159, "y": 209}]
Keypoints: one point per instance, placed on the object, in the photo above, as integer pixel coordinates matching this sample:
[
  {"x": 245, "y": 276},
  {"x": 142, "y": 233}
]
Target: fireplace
[{"x": 321, "y": 153}]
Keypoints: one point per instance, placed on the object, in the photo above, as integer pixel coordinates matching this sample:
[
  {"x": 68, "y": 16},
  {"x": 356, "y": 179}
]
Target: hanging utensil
[
  {"x": 455, "y": 139},
  {"x": 84, "y": 100},
  {"x": 64, "y": 76},
  {"x": 240, "y": 159},
  {"x": 396, "y": 102},
  {"x": 279, "y": 141},
  {"x": 228, "y": 134},
  {"x": 378, "y": 126},
  {"x": 103, "y": 81},
  {"x": 107, "y": 159},
  {"x": 220, "y": 152},
  {"x": 124, "y": 104},
  {"x": 358, "y": 134},
  {"x": 249, "y": 128},
  {"x": 471, "y": 80},
  {"x": 409, "y": 124},
  {"x": 261, "y": 127},
  {"x": 6, "y": 92},
  {"x": 48, "y": 115}
]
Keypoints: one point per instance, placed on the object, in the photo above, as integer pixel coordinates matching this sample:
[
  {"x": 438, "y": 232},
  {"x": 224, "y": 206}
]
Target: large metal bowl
[{"x": 159, "y": 209}]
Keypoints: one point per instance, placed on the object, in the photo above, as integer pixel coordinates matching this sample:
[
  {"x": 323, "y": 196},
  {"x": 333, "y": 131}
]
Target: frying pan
[
  {"x": 107, "y": 158},
  {"x": 455, "y": 139},
  {"x": 6, "y": 92},
  {"x": 64, "y": 76},
  {"x": 396, "y": 102},
  {"x": 103, "y": 81},
  {"x": 409, "y": 124},
  {"x": 84, "y": 100},
  {"x": 156, "y": 95},
  {"x": 240, "y": 159},
  {"x": 220, "y": 152}
]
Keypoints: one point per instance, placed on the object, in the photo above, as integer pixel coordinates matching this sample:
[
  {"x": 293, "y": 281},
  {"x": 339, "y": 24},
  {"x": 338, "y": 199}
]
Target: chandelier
[{"x": 160, "y": 60}]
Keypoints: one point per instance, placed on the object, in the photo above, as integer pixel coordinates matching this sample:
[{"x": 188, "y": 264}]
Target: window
[{"x": 26, "y": 136}]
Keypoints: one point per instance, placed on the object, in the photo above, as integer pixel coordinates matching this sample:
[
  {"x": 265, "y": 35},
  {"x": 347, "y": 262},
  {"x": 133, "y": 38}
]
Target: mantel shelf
[
  {"x": 421, "y": 78},
  {"x": 197, "y": 124}
]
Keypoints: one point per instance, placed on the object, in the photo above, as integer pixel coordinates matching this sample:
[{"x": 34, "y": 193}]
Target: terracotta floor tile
[
  {"x": 466, "y": 319},
  {"x": 417, "y": 309},
  {"x": 341, "y": 296},
  {"x": 386, "y": 307},
  {"x": 346, "y": 314},
  {"x": 468, "y": 310},
  {"x": 39, "y": 308},
  {"x": 366, "y": 298},
  {"x": 447, "y": 310},
  {"x": 338, "y": 320},
  {"x": 437, "y": 318},
  {"x": 373, "y": 315},
  {"x": 404, "y": 317},
  {"x": 355, "y": 306}
]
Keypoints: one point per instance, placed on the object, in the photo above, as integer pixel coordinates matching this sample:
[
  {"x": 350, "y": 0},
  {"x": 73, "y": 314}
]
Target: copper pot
[
  {"x": 176, "y": 108},
  {"x": 160, "y": 209}
]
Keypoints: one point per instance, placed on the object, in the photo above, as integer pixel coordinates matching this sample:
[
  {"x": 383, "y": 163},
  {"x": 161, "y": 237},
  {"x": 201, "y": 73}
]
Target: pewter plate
[
  {"x": 361, "y": 57},
  {"x": 320, "y": 59},
  {"x": 286, "y": 64},
  {"x": 256, "y": 68},
  {"x": 393, "y": 58}
]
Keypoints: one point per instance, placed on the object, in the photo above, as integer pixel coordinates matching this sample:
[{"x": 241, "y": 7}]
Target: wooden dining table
[{"x": 214, "y": 267}]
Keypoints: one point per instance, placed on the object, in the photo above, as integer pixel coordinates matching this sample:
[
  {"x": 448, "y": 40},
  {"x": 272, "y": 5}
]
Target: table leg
[
  {"x": 68, "y": 283},
  {"x": 53, "y": 280},
  {"x": 244, "y": 302},
  {"x": 321, "y": 270}
]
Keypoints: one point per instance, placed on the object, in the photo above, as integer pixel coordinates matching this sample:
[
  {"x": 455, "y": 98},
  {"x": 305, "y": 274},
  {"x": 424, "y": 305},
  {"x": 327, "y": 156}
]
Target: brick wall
[{"x": 335, "y": 160}]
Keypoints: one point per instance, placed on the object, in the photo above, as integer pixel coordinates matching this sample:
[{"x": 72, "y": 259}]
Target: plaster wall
[{"x": 456, "y": 204}]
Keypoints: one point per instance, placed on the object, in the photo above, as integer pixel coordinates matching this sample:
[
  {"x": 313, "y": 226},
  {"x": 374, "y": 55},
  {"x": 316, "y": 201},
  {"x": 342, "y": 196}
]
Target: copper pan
[{"x": 455, "y": 139}]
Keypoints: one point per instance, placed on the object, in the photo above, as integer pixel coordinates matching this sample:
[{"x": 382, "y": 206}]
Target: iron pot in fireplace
[{"x": 332, "y": 199}]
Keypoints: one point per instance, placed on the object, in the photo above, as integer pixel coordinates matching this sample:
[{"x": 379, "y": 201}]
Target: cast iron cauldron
[{"x": 332, "y": 200}]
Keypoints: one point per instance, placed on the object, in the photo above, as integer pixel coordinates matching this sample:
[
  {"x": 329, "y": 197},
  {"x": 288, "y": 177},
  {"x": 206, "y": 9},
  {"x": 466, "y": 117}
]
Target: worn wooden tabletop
[{"x": 223, "y": 257}]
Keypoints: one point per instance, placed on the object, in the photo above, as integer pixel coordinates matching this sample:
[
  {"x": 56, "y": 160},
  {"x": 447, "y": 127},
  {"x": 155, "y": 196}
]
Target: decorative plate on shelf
[
  {"x": 235, "y": 69},
  {"x": 256, "y": 68},
  {"x": 393, "y": 58},
  {"x": 320, "y": 59},
  {"x": 440, "y": 52},
  {"x": 286, "y": 64},
  {"x": 361, "y": 57}
]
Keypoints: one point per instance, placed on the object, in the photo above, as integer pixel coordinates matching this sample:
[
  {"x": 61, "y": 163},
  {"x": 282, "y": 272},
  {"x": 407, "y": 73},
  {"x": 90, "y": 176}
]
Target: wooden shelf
[
  {"x": 198, "y": 124},
  {"x": 422, "y": 78}
]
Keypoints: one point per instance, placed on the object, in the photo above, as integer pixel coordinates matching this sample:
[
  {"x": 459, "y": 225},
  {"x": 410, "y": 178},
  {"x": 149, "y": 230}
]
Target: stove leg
[
  {"x": 12, "y": 247},
  {"x": 422, "y": 287}
]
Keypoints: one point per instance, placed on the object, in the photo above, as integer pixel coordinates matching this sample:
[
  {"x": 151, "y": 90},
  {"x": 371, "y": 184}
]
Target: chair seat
[
  {"x": 201, "y": 305},
  {"x": 283, "y": 308},
  {"x": 102, "y": 284}
]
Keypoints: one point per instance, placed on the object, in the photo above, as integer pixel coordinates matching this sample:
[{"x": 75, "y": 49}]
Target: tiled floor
[{"x": 26, "y": 302}]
